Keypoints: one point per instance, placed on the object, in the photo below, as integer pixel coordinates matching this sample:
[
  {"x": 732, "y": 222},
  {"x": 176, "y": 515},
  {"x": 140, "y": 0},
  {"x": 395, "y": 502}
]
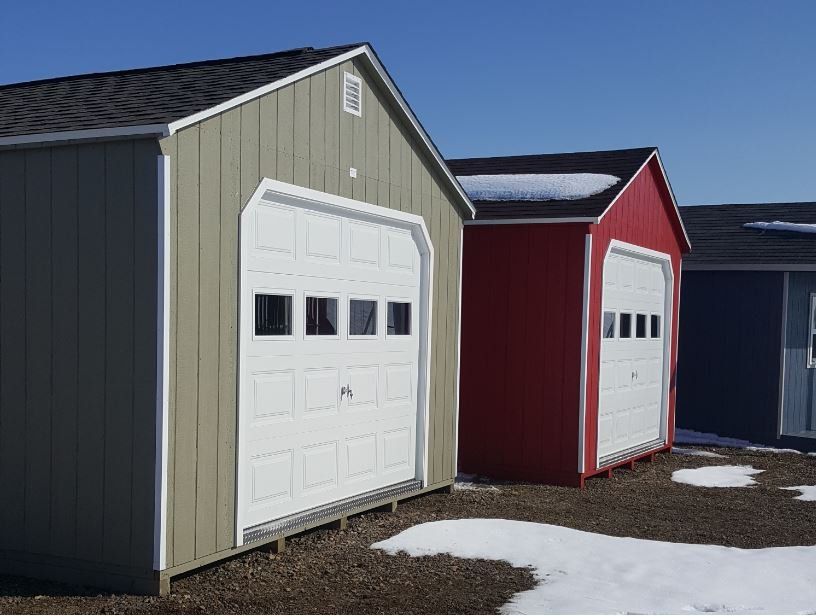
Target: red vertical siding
[
  {"x": 643, "y": 215},
  {"x": 522, "y": 294}
]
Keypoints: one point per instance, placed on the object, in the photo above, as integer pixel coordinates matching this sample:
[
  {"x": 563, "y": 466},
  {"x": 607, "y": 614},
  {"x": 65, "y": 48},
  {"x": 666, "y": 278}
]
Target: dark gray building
[{"x": 747, "y": 356}]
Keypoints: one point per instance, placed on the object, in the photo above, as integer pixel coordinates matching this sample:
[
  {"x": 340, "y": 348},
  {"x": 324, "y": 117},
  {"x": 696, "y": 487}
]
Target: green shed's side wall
[
  {"x": 78, "y": 284},
  {"x": 297, "y": 134}
]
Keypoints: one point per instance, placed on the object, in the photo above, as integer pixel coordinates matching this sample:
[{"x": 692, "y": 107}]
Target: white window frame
[
  {"x": 811, "y": 330},
  {"x": 614, "y": 325},
  {"x": 659, "y": 336},
  {"x": 323, "y": 295},
  {"x": 398, "y": 300},
  {"x": 363, "y": 298},
  {"x": 350, "y": 77},
  {"x": 294, "y": 324}
]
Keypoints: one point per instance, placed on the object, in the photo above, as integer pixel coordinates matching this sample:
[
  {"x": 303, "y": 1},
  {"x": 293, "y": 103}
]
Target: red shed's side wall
[
  {"x": 643, "y": 215},
  {"x": 522, "y": 294}
]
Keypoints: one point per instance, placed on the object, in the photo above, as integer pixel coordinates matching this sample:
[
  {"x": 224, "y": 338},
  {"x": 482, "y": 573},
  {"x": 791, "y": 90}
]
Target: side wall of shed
[
  {"x": 799, "y": 403},
  {"x": 78, "y": 240},
  {"x": 728, "y": 365},
  {"x": 643, "y": 215},
  {"x": 522, "y": 293},
  {"x": 297, "y": 134}
]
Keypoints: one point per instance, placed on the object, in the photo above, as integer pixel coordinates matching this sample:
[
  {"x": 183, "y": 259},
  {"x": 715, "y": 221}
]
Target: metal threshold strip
[
  {"x": 632, "y": 451},
  {"x": 275, "y": 528}
]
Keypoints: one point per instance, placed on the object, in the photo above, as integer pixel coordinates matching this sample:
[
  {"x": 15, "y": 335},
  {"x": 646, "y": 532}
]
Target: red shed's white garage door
[
  {"x": 330, "y": 376},
  {"x": 633, "y": 354}
]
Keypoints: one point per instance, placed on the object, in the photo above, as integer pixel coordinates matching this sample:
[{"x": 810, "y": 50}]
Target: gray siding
[
  {"x": 298, "y": 134},
  {"x": 78, "y": 355},
  {"x": 799, "y": 405},
  {"x": 729, "y": 352}
]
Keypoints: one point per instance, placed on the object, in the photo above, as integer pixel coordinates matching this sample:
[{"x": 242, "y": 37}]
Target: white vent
[{"x": 352, "y": 94}]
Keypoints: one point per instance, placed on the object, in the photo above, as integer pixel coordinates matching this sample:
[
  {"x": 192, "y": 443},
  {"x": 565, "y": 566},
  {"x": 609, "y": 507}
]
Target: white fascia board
[
  {"x": 160, "y": 130},
  {"x": 656, "y": 155},
  {"x": 582, "y": 394},
  {"x": 749, "y": 267},
  {"x": 364, "y": 51},
  {"x": 531, "y": 221}
]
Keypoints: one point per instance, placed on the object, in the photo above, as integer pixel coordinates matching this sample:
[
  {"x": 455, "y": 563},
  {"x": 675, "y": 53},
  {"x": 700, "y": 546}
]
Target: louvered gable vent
[{"x": 352, "y": 94}]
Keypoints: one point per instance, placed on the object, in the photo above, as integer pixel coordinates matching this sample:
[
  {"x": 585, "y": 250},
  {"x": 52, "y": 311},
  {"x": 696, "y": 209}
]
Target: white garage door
[
  {"x": 331, "y": 323},
  {"x": 633, "y": 354}
]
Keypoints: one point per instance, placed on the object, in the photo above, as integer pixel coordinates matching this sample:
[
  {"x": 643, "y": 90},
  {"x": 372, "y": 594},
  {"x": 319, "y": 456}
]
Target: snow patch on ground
[
  {"x": 778, "y": 225},
  {"x": 469, "y": 485},
  {"x": 536, "y": 186},
  {"x": 717, "y": 476},
  {"x": 685, "y": 451},
  {"x": 583, "y": 573},
  {"x": 690, "y": 437},
  {"x": 808, "y": 493}
]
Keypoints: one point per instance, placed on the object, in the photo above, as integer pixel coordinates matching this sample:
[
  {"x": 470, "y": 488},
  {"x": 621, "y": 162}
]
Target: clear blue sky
[{"x": 726, "y": 89}]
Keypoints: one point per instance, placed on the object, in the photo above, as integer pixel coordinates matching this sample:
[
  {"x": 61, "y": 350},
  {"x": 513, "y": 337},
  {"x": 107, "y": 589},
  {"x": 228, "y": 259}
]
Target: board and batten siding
[
  {"x": 799, "y": 393},
  {"x": 297, "y": 134},
  {"x": 78, "y": 360}
]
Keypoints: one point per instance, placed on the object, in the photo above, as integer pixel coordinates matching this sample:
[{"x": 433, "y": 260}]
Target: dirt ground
[{"x": 329, "y": 571}]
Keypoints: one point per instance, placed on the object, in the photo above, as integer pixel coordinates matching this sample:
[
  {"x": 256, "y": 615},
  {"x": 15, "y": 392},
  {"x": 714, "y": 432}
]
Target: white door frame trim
[
  {"x": 585, "y": 311},
  {"x": 419, "y": 231},
  {"x": 619, "y": 246}
]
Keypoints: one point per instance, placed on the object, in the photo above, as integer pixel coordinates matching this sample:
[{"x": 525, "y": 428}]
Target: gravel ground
[{"x": 336, "y": 571}]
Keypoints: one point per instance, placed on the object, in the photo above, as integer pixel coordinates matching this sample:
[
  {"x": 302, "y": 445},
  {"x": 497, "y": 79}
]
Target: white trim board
[
  {"x": 750, "y": 267},
  {"x": 530, "y": 221},
  {"x": 585, "y": 310},
  {"x": 165, "y": 130},
  {"x": 782, "y": 338},
  {"x": 162, "y": 363},
  {"x": 293, "y": 194}
]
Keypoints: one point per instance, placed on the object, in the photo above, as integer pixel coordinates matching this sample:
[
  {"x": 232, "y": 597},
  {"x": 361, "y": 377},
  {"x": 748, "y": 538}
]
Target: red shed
[{"x": 570, "y": 291}]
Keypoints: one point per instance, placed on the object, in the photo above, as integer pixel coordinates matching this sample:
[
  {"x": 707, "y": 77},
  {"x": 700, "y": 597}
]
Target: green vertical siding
[
  {"x": 78, "y": 355},
  {"x": 298, "y": 134}
]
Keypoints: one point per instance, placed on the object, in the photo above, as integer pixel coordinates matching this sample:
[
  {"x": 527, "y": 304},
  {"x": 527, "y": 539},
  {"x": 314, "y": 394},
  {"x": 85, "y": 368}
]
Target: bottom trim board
[{"x": 628, "y": 453}]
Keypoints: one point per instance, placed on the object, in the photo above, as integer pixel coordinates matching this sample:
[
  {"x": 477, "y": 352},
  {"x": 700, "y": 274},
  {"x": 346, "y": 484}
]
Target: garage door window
[
  {"x": 321, "y": 316},
  {"x": 273, "y": 315},
  {"x": 399, "y": 318},
  {"x": 608, "y": 324},
  {"x": 625, "y": 330},
  {"x": 655, "y": 326},
  {"x": 362, "y": 317},
  {"x": 640, "y": 326}
]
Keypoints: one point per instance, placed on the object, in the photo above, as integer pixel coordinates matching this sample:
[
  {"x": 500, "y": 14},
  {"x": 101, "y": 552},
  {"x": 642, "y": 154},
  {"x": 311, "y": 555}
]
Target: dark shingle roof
[
  {"x": 621, "y": 163},
  {"x": 718, "y": 236},
  {"x": 145, "y": 96}
]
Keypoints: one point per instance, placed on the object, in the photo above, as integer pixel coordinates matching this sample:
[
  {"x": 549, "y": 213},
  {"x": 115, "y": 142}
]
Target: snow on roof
[
  {"x": 536, "y": 186},
  {"x": 778, "y": 225}
]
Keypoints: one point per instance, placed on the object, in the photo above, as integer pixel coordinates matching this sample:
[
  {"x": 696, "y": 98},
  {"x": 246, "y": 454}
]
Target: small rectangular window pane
[
  {"x": 655, "y": 326},
  {"x": 640, "y": 326},
  {"x": 813, "y": 348},
  {"x": 608, "y": 324},
  {"x": 625, "y": 330},
  {"x": 273, "y": 315},
  {"x": 362, "y": 317},
  {"x": 321, "y": 316},
  {"x": 399, "y": 318}
]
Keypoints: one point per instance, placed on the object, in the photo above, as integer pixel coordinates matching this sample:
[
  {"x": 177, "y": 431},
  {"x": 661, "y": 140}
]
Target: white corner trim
[
  {"x": 162, "y": 363},
  {"x": 656, "y": 155},
  {"x": 782, "y": 338},
  {"x": 307, "y": 197},
  {"x": 584, "y": 354},
  {"x": 91, "y": 133},
  {"x": 531, "y": 221}
]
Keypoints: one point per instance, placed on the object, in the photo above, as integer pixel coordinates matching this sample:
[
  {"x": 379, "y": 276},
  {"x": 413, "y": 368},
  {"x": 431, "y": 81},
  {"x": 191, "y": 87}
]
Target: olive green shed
[{"x": 120, "y": 296}]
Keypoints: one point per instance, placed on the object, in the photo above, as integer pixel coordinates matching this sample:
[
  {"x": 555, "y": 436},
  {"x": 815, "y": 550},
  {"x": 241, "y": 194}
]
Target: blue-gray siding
[
  {"x": 800, "y": 381},
  {"x": 728, "y": 361}
]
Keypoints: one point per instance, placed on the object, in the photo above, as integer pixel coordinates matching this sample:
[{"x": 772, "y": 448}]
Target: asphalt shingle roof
[
  {"x": 718, "y": 236},
  {"x": 621, "y": 163},
  {"x": 135, "y": 97}
]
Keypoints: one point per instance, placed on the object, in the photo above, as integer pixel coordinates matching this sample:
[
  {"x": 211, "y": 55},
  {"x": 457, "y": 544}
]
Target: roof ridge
[
  {"x": 164, "y": 67},
  {"x": 517, "y": 156},
  {"x": 769, "y": 203}
]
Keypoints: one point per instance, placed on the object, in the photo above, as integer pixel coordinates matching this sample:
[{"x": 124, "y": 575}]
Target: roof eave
[{"x": 142, "y": 130}]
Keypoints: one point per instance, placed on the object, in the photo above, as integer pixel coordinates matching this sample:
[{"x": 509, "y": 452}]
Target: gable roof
[
  {"x": 145, "y": 96},
  {"x": 162, "y": 100},
  {"x": 720, "y": 239},
  {"x": 621, "y": 163}
]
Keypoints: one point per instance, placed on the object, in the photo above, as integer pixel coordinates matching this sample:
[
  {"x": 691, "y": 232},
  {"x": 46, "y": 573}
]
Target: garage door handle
[{"x": 346, "y": 390}]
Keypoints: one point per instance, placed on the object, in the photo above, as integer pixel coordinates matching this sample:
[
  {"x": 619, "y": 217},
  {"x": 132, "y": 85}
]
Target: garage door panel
[
  {"x": 631, "y": 368},
  {"x": 306, "y": 442}
]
